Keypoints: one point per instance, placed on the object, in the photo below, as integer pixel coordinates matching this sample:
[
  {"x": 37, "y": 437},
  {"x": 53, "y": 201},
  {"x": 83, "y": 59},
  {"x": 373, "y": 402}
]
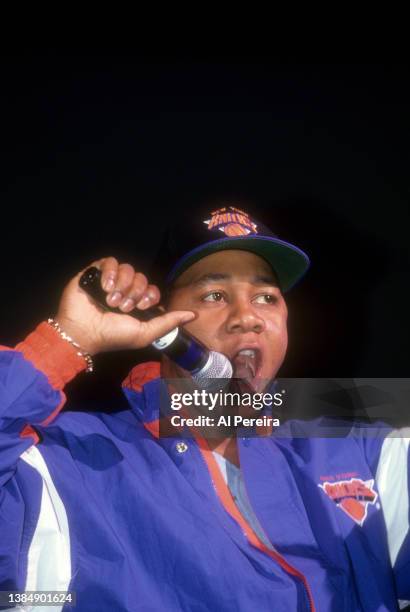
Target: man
[{"x": 105, "y": 506}]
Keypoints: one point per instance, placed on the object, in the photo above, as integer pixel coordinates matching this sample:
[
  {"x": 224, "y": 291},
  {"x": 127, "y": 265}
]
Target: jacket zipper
[{"x": 202, "y": 444}]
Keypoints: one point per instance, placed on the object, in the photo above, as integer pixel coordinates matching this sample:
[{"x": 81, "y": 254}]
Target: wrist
[
  {"x": 80, "y": 351},
  {"x": 79, "y": 334}
]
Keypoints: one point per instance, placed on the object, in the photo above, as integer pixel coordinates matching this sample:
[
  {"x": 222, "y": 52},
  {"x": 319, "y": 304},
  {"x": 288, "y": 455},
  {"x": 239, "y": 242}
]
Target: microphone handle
[{"x": 181, "y": 347}]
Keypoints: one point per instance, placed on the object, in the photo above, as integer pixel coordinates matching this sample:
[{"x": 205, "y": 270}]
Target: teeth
[{"x": 249, "y": 352}]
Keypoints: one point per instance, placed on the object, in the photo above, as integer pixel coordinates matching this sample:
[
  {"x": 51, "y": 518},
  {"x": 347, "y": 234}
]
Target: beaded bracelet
[{"x": 80, "y": 352}]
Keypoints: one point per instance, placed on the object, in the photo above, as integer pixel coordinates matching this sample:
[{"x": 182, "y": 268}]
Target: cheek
[
  {"x": 277, "y": 334},
  {"x": 277, "y": 325},
  {"x": 205, "y": 326},
  {"x": 202, "y": 328}
]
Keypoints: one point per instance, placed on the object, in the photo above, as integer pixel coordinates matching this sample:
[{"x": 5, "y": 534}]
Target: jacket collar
[
  {"x": 142, "y": 389},
  {"x": 141, "y": 374}
]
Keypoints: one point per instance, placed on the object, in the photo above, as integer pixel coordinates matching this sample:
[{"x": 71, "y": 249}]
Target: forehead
[{"x": 232, "y": 264}]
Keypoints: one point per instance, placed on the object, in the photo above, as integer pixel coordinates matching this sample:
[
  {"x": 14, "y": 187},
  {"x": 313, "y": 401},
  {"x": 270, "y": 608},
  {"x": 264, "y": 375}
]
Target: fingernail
[
  {"x": 144, "y": 302},
  {"x": 115, "y": 298},
  {"x": 109, "y": 284},
  {"x": 188, "y": 317},
  {"x": 128, "y": 303}
]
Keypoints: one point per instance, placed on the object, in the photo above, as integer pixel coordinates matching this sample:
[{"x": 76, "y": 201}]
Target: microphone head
[{"x": 216, "y": 368}]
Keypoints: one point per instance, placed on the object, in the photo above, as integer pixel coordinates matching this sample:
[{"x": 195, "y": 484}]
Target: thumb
[{"x": 158, "y": 327}]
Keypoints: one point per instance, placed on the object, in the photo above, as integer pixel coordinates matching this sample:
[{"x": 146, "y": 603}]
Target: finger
[
  {"x": 150, "y": 297},
  {"x": 109, "y": 271},
  {"x": 135, "y": 293},
  {"x": 125, "y": 277}
]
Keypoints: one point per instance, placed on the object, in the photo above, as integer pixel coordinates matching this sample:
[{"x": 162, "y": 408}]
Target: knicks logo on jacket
[{"x": 352, "y": 496}]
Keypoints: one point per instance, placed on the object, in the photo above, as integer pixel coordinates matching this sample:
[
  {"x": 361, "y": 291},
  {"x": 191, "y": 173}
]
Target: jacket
[{"x": 101, "y": 505}]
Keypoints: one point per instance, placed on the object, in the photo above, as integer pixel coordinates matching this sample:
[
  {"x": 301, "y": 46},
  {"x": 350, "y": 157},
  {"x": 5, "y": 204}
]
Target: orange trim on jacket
[
  {"x": 56, "y": 358},
  {"x": 52, "y": 355}
]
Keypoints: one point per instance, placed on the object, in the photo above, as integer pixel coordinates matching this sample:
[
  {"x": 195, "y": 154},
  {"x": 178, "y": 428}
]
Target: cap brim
[{"x": 288, "y": 261}]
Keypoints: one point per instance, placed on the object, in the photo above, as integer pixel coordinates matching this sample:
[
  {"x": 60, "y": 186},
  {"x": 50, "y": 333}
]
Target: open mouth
[{"x": 247, "y": 364}]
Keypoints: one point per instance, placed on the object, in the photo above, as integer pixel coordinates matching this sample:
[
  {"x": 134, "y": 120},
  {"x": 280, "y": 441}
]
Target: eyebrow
[{"x": 257, "y": 279}]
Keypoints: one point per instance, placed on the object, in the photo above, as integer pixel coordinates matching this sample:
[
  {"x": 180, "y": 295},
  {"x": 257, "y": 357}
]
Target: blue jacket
[{"x": 99, "y": 504}]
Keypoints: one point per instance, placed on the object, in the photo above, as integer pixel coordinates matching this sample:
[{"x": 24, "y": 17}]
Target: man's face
[{"x": 239, "y": 307}]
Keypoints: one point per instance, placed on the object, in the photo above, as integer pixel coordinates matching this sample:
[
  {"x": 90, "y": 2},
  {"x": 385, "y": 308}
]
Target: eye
[
  {"x": 214, "y": 296},
  {"x": 266, "y": 298}
]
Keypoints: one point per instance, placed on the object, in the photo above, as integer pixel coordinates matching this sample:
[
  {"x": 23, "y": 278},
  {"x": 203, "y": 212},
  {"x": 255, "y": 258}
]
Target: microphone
[{"x": 205, "y": 366}]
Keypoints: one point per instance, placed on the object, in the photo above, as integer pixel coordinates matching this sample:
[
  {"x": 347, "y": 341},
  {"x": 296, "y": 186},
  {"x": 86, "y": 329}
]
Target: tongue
[{"x": 243, "y": 366}]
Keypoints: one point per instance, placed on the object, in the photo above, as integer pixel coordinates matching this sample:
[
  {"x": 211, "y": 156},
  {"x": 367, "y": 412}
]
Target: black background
[{"x": 99, "y": 151}]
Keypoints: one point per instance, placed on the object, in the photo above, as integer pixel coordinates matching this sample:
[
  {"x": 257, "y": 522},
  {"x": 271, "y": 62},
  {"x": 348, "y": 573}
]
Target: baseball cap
[{"x": 228, "y": 227}]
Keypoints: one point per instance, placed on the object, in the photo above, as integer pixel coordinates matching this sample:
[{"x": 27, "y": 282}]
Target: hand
[{"x": 96, "y": 330}]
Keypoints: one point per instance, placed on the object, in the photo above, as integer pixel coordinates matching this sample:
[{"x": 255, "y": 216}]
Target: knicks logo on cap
[
  {"x": 352, "y": 496},
  {"x": 232, "y": 222}
]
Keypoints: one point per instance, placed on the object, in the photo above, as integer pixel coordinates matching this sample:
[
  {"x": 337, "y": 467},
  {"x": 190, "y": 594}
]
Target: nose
[{"x": 244, "y": 318}]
